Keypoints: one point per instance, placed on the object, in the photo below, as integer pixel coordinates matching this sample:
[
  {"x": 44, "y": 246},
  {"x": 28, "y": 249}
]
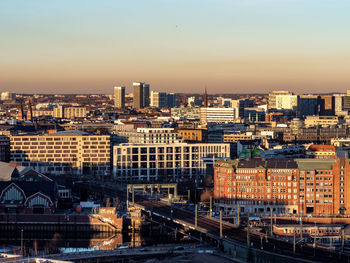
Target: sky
[{"x": 226, "y": 46}]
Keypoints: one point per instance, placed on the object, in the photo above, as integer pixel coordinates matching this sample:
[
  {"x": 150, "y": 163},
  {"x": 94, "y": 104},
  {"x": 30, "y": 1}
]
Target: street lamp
[{"x": 22, "y": 247}]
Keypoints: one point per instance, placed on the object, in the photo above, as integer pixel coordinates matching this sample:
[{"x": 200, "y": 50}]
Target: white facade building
[
  {"x": 218, "y": 115},
  {"x": 167, "y": 162}
]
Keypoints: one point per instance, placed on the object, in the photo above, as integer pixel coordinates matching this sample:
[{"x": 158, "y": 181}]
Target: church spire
[{"x": 205, "y": 101}]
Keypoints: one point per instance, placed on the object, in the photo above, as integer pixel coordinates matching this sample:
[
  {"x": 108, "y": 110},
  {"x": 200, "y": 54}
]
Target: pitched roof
[
  {"x": 7, "y": 170},
  {"x": 321, "y": 147},
  {"x": 30, "y": 188}
]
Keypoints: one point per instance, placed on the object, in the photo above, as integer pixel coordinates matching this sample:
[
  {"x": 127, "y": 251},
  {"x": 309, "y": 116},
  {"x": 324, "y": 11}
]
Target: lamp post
[{"x": 22, "y": 247}]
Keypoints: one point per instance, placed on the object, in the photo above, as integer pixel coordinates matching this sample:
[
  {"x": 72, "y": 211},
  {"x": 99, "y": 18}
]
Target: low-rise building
[
  {"x": 186, "y": 113},
  {"x": 25, "y": 191},
  {"x": 321, "y": 151},
  {"x": 321, "y": 120},
  {"x": 193, "y": 135}
]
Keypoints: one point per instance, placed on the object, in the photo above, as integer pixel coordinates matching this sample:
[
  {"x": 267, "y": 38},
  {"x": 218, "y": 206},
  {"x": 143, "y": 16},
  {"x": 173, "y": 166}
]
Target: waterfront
[{"x": 44, "y": 243}]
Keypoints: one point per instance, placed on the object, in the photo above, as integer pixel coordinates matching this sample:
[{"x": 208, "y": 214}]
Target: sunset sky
[{"x": 228, "y": 46}]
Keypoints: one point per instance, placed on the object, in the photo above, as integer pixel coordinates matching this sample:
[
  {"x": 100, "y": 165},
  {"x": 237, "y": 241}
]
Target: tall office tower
[
  {"x": 243, "y": 104},
  {"x": 158, "y": 99},
  {"x": 119, "y": 97},
  {"x": 272, "y": 98},
  {"x": 141, "y": 95},
  {"x": 171, "y": 100},
  {"x": 307, "y": 105},
  {"x": 145, "y": 95},
  {"x": 327, "y": 107},
  {"x": 338, "y": 103},
  {"x": 138, "y": 95},
  {"x": 346, "y": 101}
]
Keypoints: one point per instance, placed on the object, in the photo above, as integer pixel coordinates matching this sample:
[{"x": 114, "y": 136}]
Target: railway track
[{"x": 212, "y": 226}]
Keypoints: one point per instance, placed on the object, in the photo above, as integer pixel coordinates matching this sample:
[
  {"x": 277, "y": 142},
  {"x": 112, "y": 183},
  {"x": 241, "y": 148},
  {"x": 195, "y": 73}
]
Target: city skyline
[{"x": 177, "y": 46}]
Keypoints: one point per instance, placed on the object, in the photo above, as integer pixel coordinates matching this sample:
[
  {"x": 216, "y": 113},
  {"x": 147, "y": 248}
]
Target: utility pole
[
  {"x": 248, "y": 226},
  {"x": 133, "y": 195},
  {"x": 238, "y": 214},
  {"x": 301, "y": 223},
  {"x": 188, "y": 194},
  {"x": 293, "y": 240},
  {"x": 342, "y": 240},
  {"x": 271, "y": 230},
  {"x": 195, "y": 216},
  {"x": 220, "y": 223},
  {"x": 211, "y": 206},
  {"x": 171, "y": 211}
]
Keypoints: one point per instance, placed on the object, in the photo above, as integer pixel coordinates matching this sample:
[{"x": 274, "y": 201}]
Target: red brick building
[{"x": 287, "y": 186}]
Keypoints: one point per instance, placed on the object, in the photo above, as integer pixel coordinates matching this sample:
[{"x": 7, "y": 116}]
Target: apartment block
[
  {"x": 74, "y": 112},
  {"x": 165, "y": 162},
  {"x": 63, "y": 153}
]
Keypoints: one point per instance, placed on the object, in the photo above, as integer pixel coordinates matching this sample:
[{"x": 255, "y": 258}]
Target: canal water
[{"x": 39, "y": 244}]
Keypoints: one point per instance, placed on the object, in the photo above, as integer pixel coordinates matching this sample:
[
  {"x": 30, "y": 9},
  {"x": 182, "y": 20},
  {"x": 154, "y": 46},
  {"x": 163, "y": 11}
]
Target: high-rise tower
[
  {"x": 119, "y": 97},
  {"x": 141, "y": 95}
]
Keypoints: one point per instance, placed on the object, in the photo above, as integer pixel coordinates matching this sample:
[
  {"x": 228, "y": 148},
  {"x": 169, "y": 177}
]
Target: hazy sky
[{"x": 89, "y": 46}]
